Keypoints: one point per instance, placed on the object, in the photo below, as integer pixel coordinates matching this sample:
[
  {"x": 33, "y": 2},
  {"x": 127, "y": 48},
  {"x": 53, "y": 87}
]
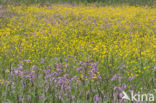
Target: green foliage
[{"x": 102, "y": 2}]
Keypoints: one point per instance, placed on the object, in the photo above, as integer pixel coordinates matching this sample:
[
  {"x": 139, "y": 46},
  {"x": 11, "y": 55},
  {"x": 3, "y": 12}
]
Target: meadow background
[
  {"x": 101, "y": 2},
  {"x": 76, "y": 51}
]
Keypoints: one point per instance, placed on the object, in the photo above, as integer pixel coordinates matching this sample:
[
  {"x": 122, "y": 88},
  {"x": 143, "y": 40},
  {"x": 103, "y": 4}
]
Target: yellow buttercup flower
[{"x": 94, "y": 77}]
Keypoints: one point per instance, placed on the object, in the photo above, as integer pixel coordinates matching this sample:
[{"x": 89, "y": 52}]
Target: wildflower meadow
[{"x": 66, "y": 53}]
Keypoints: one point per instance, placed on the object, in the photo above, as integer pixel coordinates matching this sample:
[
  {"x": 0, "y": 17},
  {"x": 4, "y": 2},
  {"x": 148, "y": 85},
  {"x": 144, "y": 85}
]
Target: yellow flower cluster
[
  {"x": 1, "y": 82},
  {"x": 113, "y": 34}
]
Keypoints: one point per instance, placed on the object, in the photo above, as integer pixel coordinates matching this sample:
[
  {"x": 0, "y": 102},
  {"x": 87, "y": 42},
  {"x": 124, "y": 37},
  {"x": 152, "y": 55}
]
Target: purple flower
[
  {"x": 99, "y": 76},
  {"x": 20, "y": 68},
  {"x": 34, "y": 67},
  {"x": 124, "y": 86},
  {"x": 78, "y": 69},
  {"x": 94, "y": 19},
  {"x": 61, "y": 81},
  {"x": 131, "y": 91},
  {"x": 154, "y": 69},
  {"x": 74, "y": 78},
  {"x": 114, "y": 77},
  {"x": 68, "y": 88},
  {"x": 131, "y": 78},
  {"x": 94, "y": 90},
  {"x": 66, "y": 75},
  {"x": 80, "y": 93},
  {"x": 27, "y": 61},
  {"x": 91, "y": 73},
  {"x": 5, "y": 102},
  {"x": 32, "y": 78},
  {"x": 119, "y": 79},
  {"x": 123, "y": 101},
  {"x": 102, "y": 92},
  {"x": 59, "y": 66},
  {"x": 42, "y": 61},
  {"x": 60, "y": 96},
  {"x": 73, "y": 97},
  {"x": 95, "y": 69},
  {"x": 124, "y": 66},
  {"x": 96, "y": 99},
  {"x": 21, "y": 64},
  {"x": 151, "y": 79},
  {"x": 121, "y": 95},
  {"x": 117, "y": 88},
  {"x": 91, "y": 42},
  {"x": 66, "y": 65},
  {"x": 42, "y": 96},
  {"x": 18, "y": 72},
  {"x": 21, "y": 99},
  {"x": 114, "y": 96}
]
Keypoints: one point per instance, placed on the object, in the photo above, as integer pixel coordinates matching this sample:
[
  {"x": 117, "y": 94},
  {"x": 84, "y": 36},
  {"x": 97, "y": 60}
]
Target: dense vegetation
[
  {"x": 67, "y": 53},
  {"x": 101, "y": 2}
]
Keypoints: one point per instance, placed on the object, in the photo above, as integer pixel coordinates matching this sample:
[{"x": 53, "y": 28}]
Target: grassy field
[{"x": 62, "y": 53}]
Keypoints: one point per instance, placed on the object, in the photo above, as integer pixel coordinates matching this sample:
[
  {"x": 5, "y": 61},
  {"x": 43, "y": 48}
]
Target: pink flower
[{"x": 96, "y": 99}]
